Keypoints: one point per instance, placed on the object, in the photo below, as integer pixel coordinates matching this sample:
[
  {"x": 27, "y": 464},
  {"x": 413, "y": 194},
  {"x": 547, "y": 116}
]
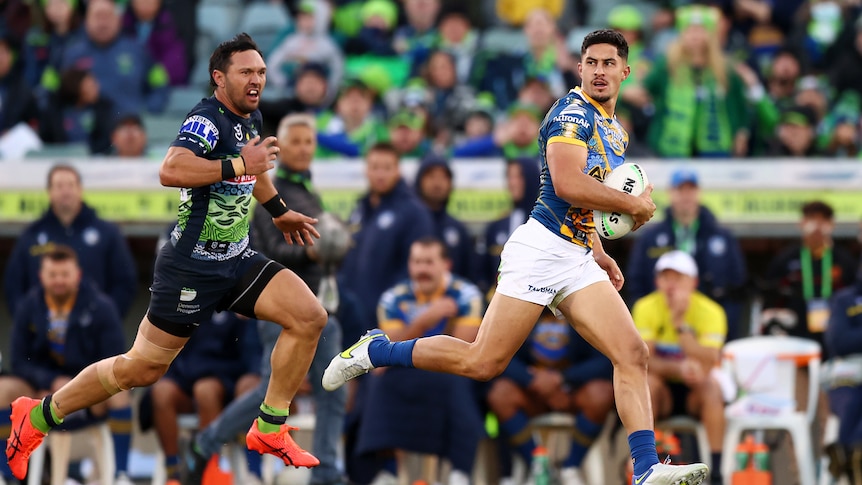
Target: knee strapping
[
  {"x": 107, "y": 377},
  {"x": 147, "y": 351}
]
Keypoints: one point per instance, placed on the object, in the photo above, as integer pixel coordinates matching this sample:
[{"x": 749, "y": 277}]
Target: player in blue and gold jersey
[
  {"x": 556, "y": 259},
  {"x": 219, "y": 163}
]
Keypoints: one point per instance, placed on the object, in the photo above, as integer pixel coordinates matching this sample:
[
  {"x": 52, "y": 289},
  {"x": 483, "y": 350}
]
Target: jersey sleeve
[
  {"x": 389, "y": 316},
  {"x": 469, "y": 306},
  {"x": 571, "y": 124},
  {"x": 199, "y": 133}
]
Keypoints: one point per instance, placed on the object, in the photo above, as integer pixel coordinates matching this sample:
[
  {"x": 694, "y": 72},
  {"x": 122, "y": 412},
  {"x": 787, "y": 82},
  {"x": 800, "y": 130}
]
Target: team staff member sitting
[{"x": 685, "y": 331}]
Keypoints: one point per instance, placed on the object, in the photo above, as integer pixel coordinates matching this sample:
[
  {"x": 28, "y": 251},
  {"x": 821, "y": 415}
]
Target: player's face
[
  {"x": 64, "y": 191},
  {"x": 297, "y": 147},
  {"x": 435, "y": 186},
  {"x": 244, "y": 80},
  {"x": 602, "y": 71},
  {"x": 427, "y": 267},
  {"x": 381, "y": 169},
  {"x": 59, "y": 279}
]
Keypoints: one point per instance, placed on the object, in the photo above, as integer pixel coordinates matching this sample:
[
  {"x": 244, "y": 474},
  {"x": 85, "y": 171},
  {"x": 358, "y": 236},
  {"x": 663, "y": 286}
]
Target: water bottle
[
  {"x": 743, "y": 452},
  {"x": 541, "y": 468},
  {"x": 761, "y": 457}
]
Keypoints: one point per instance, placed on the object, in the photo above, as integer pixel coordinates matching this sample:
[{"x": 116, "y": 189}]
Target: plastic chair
[
  {"x": 767, "y": 366},
  {"x": 62, "y": 451},
  {"x": 554, "y": 432},
  {"x": 689, "y": 425}
]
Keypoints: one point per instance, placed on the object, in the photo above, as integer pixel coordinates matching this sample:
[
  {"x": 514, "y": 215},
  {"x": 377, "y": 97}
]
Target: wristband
[
  {"x": 275, "y": 206},
  {"x": 227, "y": 170}
]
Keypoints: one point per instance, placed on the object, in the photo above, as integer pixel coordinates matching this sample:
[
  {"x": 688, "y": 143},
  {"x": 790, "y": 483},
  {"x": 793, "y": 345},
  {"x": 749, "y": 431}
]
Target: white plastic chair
[
  {"x": 767, "y": 365},
  {"x": 60, "y": 444}
]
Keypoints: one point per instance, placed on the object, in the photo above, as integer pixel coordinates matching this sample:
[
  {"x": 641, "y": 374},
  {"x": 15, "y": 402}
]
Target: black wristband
[
  {"x": 275, "y": 206},
  {"x": 227, "y": 171}
]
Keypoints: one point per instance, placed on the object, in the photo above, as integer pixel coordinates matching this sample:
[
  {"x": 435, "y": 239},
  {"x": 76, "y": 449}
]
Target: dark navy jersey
[
  {"x": 578, "y": 120},
  {"x": 216, "y": 216}
]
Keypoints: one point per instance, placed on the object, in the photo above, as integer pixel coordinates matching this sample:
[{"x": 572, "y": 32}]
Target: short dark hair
[
  {"x": 606, "y": 36},
  {"x": 220, "y": 60},
  {"x": 818, "y": 208},
  {"x": 59, "y": 253},
  {"x": 385, "y": 146},
  {"x": 428, "y": 241},
  {"x": 63, "y": 167}
]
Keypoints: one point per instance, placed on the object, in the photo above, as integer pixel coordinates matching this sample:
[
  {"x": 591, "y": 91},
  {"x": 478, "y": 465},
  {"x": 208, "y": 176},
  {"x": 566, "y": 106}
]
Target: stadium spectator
[
  {"x": 847, "y": 68},
  {"x": 416, "y": 410},
  {"x": 480, "y": 119},
  {"x": 513, "y": 138},
  {"x": 449, "y": 100},
  {"x": 407, "y": 132},
  {"x": 685, "y": 331},
  {"x": 460, "y": 39},
  {"x": 352, "y": 127},
  {"x": 385, "y": 222},
  {"x": 310, "y": 95},
  {"x": 129, "y": 138},
  {"x": 310, "y": 43},
  {"x": 434, "y": 184},
  {"x": 690, "y": 226},
  {"x": 699, "y": 100},
  {"x": 375, "y": 36},
  {"x": 415, "y": 40},
  {"x": 522, "y": 183},
  {"x": 45, "y": 43},
  {"x": 103, "y": 253},
  {"x": 123, "y": 68},
  {"x": 796, "y": 134},
  {"x": 78, "y": 113},
  {"x": 16, "y": 96},
  {"x": 537, "y": 92},
  {"x": 15, "y": 19},
  {"x": 844, "y": 342},
  {"x": 635, "y": 105},
  {"x": 802, "y": 277},
  {"x": 154, "y": 27},
  {"x": 62, "y": 325},
  {"x": 555, "y": 370},
  {"x": 215, "y": 367}
]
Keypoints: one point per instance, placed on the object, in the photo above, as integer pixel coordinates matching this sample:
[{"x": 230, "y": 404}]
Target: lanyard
[
  {"x": 825, "y": 274},
  {"x": 686, "y": 237},
  {"x": 303, "y": 180}
]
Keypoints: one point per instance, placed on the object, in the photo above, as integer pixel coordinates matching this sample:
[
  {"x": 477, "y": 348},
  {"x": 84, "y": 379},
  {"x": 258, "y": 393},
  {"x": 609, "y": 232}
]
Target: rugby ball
[{"x": 631, "y": 179}]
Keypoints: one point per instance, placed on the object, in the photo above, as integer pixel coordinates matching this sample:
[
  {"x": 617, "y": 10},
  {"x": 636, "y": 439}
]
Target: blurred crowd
[{"x": 709, "y": 79}]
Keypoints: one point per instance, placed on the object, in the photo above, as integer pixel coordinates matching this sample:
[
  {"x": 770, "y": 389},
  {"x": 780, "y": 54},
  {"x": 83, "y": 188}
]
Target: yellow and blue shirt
[
  {"x": 400, "y": 305},
  {"x": 653, "y": 320},
  {"x": 579, "y": 120}
]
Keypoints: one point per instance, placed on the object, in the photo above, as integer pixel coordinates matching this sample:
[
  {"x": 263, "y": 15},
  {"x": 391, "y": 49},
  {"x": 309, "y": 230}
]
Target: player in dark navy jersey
[
  {"x": 556, "y": 259},
  {"x": 219, "y": 163}
]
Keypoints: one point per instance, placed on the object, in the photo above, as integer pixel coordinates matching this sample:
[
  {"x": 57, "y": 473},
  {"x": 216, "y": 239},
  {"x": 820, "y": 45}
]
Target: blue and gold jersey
[
  {"x": 578, "y": 120},
  {"x": 400, "y": 305}
]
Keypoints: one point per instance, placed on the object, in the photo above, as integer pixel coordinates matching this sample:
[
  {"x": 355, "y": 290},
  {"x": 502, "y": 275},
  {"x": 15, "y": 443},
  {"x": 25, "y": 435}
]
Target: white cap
[{"x": 679, "y": 261}]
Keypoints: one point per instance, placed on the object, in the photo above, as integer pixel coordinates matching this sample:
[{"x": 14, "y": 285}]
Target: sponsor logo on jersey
[{"x": 201, "y": 127}]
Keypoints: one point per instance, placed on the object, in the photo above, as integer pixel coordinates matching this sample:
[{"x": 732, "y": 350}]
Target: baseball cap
[
  {"x": 703, "y": 15},
  {"x": 384, "y": 9},
  {"x": 798, "y": 116},
  {"x": 409, "y": 118},
  {"x": 530, "y": 109},
  {"x": 307, "y": 6},
  {"x": 679, "y": 261},
  {"x": 625, "y": 17},
  {"x": 353, "y": 82},
  {"x": 683, "y": 176}
]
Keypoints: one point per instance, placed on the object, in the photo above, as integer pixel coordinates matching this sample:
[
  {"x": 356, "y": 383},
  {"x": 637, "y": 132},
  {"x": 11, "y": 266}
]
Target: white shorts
[{"x": 543, "y": 268}]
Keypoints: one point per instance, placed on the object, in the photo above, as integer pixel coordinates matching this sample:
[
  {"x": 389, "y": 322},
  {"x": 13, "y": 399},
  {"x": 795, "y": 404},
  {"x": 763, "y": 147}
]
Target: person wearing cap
[
  {"x": 795, "y": 135},
  {"x": 480, "y": 119},
  {"x": 513, "y": 138},
  {"x": 407, "y": 132},
  {"x": 685, "y": 331},
  {"x": 700, "y": 107},
  {"x": 309, "y": 43},
  {"x": 129, "y": 138},
  {"x": 375, "y": 36},
  {"x": 691, "y": 227},
  {"x": 434, "y": 184},
  {"x": 352, "y": 127}
]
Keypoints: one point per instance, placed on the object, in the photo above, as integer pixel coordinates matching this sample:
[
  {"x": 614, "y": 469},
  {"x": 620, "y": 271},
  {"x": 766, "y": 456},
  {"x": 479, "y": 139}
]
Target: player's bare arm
[
  {"x": 607, "y": 263},
  {"x": 297, "y": 228},
  {"x": 182, "y": 168},
  {"x": 566, "y": 163}
]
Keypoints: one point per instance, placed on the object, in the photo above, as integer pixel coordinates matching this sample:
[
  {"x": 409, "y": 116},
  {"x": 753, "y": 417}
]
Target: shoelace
[{"x": 667, "y": 460}]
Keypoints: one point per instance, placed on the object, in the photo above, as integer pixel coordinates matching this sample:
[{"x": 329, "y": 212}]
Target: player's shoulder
[
  {"x": 399, "y": 291},
  {"x": 571, "y": 108}
]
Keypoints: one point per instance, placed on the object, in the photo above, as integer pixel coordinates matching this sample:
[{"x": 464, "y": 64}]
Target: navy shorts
[{"x": 187, "y": 291}]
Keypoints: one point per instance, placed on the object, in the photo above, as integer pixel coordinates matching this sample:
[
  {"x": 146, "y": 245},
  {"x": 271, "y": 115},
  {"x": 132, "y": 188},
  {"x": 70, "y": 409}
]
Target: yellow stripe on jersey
[{"x": 565, "y": 139}]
